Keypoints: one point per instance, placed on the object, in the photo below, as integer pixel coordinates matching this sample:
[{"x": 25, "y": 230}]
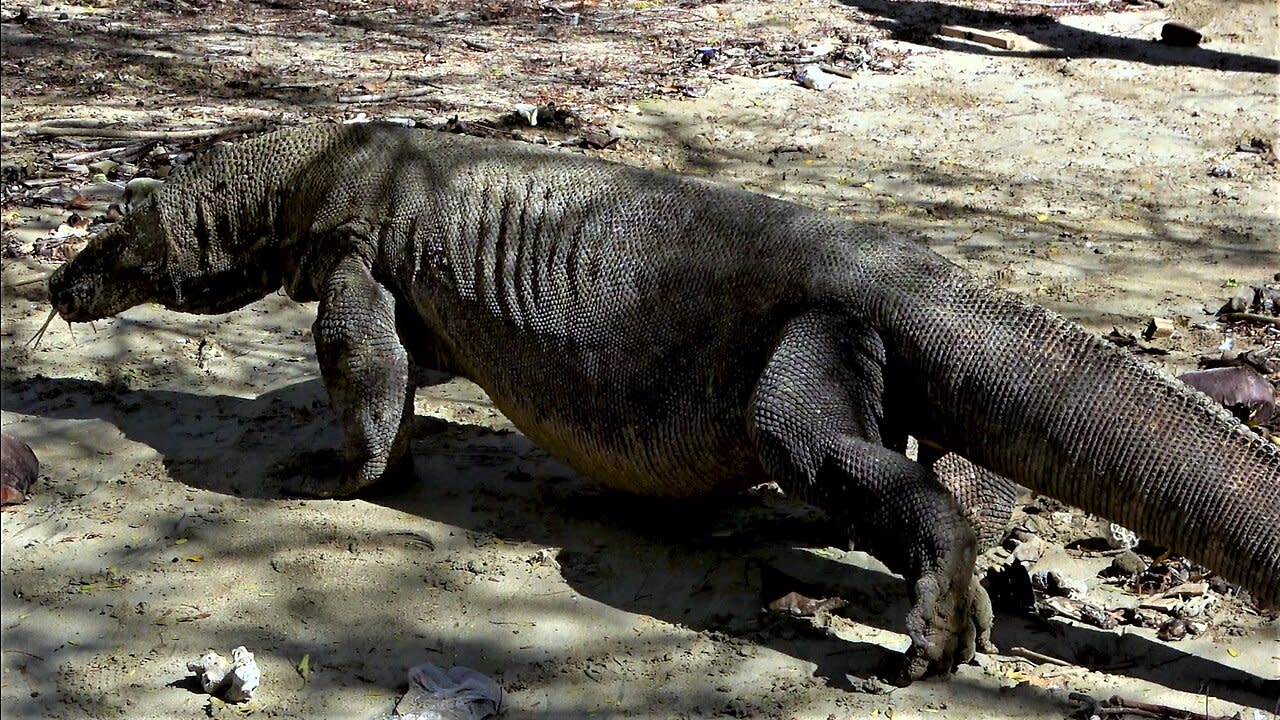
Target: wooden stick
[
  {"x": 1034, "y": 656},
  {"x": 29, "y": 281},
  {"x": 977, "y": 36},
  {"x": 838, "y": 71},
  {"x": 1249, "y": 317},
  {"x": 130, "y": 133},
  {"x": 109, "y": 152},
  {"x": 394, "y": 95},
  {"x": 1164, "y": 711}
]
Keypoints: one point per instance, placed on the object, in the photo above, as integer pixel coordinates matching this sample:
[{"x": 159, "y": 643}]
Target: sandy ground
[{"x": 1073, "y": 168}]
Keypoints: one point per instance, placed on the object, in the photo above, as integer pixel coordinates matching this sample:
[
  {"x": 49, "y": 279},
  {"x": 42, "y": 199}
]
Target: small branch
[
  {"x": 109, "y": 152},
  {"x": 838, "y": 71},
  {"x": 1249, "y": 317},
  {"x": 1054, "y": 5},
  {"x": 46, "y": 129},
  {"x": 24, "y": 652},
  {"x": 394, "y": 95},
  {"x": 1164, "y": 711},
  {"x": 978, "y": 36},
  {"x": 1034, "y": 656},
  {"x": 74, "y": 122},
  {"x": 34, "y": 342},
  {"x": 24, "y": 283}
]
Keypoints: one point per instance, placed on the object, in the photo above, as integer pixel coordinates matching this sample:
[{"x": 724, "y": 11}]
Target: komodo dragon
[{"x": 675, "y": 337}]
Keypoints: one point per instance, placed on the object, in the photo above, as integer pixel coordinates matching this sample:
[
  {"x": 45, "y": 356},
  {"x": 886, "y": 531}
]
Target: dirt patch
[{"x": 1086, "y": 167}]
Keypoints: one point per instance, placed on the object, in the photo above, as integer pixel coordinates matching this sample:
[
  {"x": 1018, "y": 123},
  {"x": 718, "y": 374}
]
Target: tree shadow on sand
[
  {"x": 918, "y": 21},
  {"x": 708, "y": 565}
]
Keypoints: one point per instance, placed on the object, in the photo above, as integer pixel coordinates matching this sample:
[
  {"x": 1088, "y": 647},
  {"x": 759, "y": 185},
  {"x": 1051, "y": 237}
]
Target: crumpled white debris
[
  {"x": 459, "y": 693},
  {"x": 815, "y": 78},
  {"x": 233, "y": 680}
]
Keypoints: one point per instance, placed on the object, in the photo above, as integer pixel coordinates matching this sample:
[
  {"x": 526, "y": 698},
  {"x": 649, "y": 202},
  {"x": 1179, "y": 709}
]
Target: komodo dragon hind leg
[
  {"x": 986, "y": 498},
  {"x": 366, "y": 371},
  {"x": 815, "y": 418}
]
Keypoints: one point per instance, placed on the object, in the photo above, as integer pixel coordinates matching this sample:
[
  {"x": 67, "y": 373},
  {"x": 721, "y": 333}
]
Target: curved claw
[{"x": 949, "y": 621}]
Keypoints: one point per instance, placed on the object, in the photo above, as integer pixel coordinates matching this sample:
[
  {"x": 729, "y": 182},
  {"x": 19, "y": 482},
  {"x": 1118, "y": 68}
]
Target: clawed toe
[
  {"x": 947, "y": 627},
  {"x": 310, "y": 474}
]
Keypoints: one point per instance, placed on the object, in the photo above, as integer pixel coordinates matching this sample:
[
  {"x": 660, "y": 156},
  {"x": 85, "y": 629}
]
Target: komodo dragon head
[{"x": 173, "y": 248}]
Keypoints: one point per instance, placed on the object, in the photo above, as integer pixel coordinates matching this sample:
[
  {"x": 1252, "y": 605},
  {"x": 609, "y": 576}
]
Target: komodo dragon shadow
[{"x": 720, "y": 562}]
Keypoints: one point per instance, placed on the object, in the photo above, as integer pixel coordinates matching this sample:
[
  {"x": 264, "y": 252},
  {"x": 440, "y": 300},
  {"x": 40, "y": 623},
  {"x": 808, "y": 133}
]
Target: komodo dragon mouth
[{"x": 107, "y": 277}]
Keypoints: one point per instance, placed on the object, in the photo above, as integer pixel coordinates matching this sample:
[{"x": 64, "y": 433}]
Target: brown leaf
[{"x": 793, "y": 603}]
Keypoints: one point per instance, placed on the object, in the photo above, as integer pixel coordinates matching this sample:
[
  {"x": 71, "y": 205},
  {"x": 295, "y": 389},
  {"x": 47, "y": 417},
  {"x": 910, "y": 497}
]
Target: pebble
[
  {"x": 1120, "y": 537},
  {"x": 1031, "y": 549},
  {"x": 1128, "y": 563},
  {"x": 1052, "y": 582},
  {"x": 233, "y": 680}
]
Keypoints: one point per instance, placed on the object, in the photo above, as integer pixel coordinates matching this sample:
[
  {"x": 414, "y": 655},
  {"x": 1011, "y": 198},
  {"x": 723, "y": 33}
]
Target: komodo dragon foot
[{"x": 326, "y": 474}]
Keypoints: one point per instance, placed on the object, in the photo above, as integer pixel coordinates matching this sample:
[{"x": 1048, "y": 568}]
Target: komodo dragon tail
[{"x": 1027, "y": 394}]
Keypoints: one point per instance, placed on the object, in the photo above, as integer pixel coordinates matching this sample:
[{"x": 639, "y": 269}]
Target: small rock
[
  {"x": 1221, "y": 170},
  {"x": 1031, "y": 549},
  {"x": 245, "y": 676},
  {"x": 103, "y": 166},
  {"x": 1052, "y": 582},
  {"x": 795, "y": 604},
  {"x": 1222, "y": 587},
  {"x": 1174, "y": 630},
  {"x": 546, "y": 557},
  {"x": 1128, "y": 564},
  {"x": 1159, "y": 328},
  {"x": 212, "y": 669},
  {"x": 815, "y": 78},
  {"x": 1196, "y": 606},
  {"x": 527, "y": 111},
  {"x": 233, "y": 680},
  {"x": 1118, "y": 537},
  {"x": 1096, "y": 616},
  {"x": 1062, "y": 521},
  {"x": 138, "y": 190}
]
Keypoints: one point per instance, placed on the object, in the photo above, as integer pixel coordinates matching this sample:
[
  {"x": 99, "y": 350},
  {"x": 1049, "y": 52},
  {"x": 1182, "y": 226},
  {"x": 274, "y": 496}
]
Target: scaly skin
[{"x": 673, "y": 337}]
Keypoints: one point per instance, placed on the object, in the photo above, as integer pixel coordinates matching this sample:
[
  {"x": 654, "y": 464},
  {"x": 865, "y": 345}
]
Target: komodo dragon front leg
[
  {"x": 815, "y": 418},
  {"x": 366, "y": 371}
]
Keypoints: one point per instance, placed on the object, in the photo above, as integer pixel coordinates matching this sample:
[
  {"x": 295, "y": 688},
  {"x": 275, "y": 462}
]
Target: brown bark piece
[{"x": 977, "y": 36}]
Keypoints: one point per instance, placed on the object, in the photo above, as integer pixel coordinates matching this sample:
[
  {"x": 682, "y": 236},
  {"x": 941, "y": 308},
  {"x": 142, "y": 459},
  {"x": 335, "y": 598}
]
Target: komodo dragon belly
[
  {"x": 645, "y": 416},
  {"x": 644, "y": 454}
]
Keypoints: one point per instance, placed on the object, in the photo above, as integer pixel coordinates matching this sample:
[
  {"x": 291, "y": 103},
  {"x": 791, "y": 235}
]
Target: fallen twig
[
  {"x": 977, "y": 36},
  {"x": 394, "y": 95},
  {"x": 1037, "y": 657},
  {"x": 35, "y": 339},
  {"x": 47, "y": 129},
  {"x": 1164, "y": 711},
  {"x": 838, "y": 71},
  {"x": 24, "y": 283},
  {"x": 114, "y": 152},
  {"x": 1117, "y": 706},
  {"x": 1249, "y": 317}
]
